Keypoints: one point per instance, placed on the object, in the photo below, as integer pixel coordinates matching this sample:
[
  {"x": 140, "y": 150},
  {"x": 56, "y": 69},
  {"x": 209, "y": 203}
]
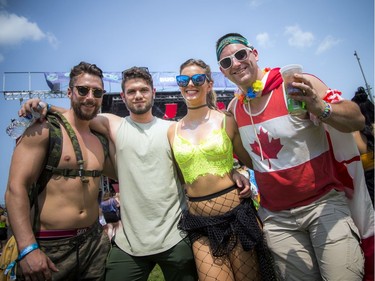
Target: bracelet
[
  {"x": 326, "y": 112},
  {"x": 49, "y": 107},
  {"x": 27, "y": 250},
  {"x": 23, "y": 253}
]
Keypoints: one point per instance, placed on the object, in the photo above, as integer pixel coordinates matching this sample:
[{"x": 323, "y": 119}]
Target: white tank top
[{"x": 150, "y": 193}]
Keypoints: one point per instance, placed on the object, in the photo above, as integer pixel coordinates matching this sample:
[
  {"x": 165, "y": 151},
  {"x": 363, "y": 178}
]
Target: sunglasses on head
[
  {"x": 197, "y": 79},
  {"x": 84, "y": 91},
  {"x": 240, "y": 55}
]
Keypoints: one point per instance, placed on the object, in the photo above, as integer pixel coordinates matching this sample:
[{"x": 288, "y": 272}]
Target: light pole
[{"x": 367, "y": 85}]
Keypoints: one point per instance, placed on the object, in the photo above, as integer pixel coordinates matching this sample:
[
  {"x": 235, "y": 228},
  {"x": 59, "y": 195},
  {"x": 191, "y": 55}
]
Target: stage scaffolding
[{"x": 112, "y": 101}]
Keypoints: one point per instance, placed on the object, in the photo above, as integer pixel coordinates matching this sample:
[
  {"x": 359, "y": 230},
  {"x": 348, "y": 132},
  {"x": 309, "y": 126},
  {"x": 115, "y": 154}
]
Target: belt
[{"x": 56, "y": 233}]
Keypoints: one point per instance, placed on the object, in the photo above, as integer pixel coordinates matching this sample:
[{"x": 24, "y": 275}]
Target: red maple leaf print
[{"x": 270, "y": 149}]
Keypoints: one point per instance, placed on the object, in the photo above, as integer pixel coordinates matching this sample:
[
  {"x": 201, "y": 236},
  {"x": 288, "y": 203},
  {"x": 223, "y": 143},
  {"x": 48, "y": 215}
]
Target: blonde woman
[{"x": 222, "y": 226}]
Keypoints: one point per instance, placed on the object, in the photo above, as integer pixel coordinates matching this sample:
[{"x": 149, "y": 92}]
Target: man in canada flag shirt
[{"x": 304, "y": 206}]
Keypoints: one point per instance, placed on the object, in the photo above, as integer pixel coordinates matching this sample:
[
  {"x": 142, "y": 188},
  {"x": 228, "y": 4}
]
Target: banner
[{"x": 163, "y": 81}]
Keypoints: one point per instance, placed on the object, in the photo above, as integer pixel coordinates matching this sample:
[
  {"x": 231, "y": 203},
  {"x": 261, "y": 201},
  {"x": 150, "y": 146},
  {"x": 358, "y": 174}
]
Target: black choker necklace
[{"x": 197, "y": 107}]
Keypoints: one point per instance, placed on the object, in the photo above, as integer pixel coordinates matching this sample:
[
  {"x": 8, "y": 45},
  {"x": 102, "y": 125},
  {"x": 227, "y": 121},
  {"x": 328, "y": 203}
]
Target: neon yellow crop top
[{"x": 212, "y": 156}]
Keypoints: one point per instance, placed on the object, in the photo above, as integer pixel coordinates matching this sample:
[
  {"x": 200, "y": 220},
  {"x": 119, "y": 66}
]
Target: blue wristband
[
  {"x": 49, "y": 107},
  {"x": 23, "y": 253},
  {"x": 27, "y": 250}
]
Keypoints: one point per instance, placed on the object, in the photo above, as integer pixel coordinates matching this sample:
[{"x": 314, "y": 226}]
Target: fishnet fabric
[{"x": 228, "y": 242}]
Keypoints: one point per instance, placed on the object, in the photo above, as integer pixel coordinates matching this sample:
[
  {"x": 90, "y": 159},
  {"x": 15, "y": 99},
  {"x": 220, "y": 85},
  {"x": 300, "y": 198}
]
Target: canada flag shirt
[{"x": 291, "y": 157}]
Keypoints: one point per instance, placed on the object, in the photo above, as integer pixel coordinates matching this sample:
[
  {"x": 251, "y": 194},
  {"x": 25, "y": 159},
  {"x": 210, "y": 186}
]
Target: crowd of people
[
  {"x": 182, "y": 204},
  {"x": 365, "y": 138}
]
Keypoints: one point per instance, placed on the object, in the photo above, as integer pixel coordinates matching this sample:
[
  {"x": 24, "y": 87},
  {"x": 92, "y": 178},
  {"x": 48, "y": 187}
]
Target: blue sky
[{"x": 41, "y": 35}]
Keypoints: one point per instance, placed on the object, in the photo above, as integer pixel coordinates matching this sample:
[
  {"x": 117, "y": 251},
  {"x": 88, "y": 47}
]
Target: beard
[
  {"x": 140, "y": 110},
  {"x": 85, "y": 115}
]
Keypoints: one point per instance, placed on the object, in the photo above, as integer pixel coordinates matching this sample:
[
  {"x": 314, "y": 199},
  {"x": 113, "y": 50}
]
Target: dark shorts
[
  {"x": 3, "y": 234},
  {"x": 111, "y": 217},
  {"x": 81, "y": 257}
]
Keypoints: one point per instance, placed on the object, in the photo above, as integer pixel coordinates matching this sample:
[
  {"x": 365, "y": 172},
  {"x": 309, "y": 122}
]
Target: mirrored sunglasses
[
  {"x": 197, "y": 79},
  {"x": 240, "y": 55},
  {"x": 84, "y": 91}
]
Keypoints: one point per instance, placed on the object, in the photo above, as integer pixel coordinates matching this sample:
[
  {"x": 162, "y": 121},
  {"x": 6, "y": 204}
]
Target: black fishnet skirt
[{"x": 239, "y": 225}]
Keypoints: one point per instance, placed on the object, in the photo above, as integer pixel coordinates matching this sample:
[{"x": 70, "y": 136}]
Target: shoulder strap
[
  {"x": 54, "y": 152},
  {"x": 77, "y": 172},
  {"x": 76, "y": 146},
  {"x": 175, "y": 129}
]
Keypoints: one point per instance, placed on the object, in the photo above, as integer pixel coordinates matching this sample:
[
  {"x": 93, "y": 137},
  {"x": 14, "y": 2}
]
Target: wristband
[
  {"x": 23, "y": 253},
  {"x": 326, "y": 112},
  {"x": 49, "y": 107}
]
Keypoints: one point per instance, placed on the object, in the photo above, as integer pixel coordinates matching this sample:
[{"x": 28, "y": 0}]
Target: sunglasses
[
  {"x": 84, "y": 91},
  {"x": 240, "y": 55},
  {"x": 197, "y": 79}
]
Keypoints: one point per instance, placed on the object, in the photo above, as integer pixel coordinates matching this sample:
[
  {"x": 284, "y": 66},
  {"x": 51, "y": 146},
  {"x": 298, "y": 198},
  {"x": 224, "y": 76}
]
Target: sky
[{"x": 49, "y": 36}]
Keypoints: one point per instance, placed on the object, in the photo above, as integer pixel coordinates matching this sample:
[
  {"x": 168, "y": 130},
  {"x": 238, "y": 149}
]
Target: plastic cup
[{"x": 287, "y": 72}]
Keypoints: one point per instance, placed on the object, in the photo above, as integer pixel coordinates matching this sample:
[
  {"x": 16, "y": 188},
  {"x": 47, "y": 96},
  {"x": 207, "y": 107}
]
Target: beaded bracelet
[
  {"x": 23, "y": 253},
  {"x": 326, "y": 112}
]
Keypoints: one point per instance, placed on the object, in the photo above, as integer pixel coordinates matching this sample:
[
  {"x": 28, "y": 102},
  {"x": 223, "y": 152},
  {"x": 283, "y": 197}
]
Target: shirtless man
[{"x": 69, "y": 243}]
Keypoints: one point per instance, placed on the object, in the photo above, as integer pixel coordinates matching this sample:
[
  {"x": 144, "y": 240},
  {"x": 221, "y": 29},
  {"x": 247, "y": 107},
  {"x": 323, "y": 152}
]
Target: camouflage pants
[{"x": 81, "y": 257}]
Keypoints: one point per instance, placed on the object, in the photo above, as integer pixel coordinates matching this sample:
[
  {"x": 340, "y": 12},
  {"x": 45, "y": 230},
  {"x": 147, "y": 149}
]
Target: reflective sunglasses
[
  {"x": 197, "y": 79},
  {"x": 240, "y": 55},
  {"x": 84, "y": 91}
]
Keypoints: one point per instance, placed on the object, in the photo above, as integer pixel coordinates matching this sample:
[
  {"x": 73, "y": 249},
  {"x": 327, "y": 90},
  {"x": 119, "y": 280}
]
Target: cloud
[
  {"x": 263, "y": 39},
  {"x": 17, "y": 29},
  {"x": 327, "y": 43},
  {"x": 52, "y": 40},
  {"x": 298, "y": 38}
]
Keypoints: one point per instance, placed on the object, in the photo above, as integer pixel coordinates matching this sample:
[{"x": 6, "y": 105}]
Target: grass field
[{"x": 156, "y": 274}]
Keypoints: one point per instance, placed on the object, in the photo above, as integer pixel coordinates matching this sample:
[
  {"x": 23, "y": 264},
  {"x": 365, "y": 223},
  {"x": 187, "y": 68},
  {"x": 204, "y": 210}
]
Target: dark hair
[
  {"x": 84, "y": 67},
  {"x": 211, "y": 96},
  {"x": 136, "y": 72},
  {"x": 367, "y": 109},
  {"x": 226, "y": 36}
]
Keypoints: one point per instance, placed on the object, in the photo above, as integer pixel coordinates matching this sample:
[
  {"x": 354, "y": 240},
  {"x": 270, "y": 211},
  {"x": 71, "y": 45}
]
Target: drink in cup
[{"x": 295, "y": 107}]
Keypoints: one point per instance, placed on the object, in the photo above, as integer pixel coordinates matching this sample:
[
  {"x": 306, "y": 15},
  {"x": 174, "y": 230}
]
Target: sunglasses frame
[
  {"x": 234, "y": 56},
  {"x": 88, "y": 89},
  {"x": 193, "y": 79}
]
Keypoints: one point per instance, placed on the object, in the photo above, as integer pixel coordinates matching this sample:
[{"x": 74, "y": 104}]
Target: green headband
[{"x": 231, "y": 40}]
